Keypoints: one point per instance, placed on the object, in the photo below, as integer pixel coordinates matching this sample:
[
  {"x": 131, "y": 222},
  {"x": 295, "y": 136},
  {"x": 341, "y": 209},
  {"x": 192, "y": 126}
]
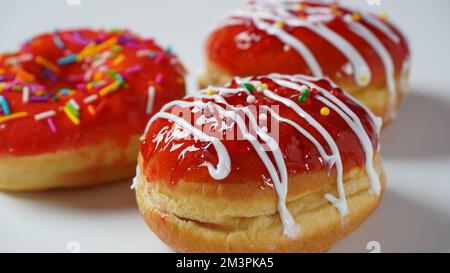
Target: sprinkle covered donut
[
  {"x": 365, "y": 54},
  {"x": 73, "y": 104},
  {"x": 273, "y": 163}
]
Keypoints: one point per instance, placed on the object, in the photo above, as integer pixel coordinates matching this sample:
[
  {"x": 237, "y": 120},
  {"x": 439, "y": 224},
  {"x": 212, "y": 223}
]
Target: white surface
[{"x": 414, "y": 215}]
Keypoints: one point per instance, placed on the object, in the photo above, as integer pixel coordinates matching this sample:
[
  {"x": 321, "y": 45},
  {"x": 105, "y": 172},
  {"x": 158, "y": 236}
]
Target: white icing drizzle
[
  {"x": 224, "y": 165},
  {"x": 261, "y": 13},
  {"x": 385, "y": 57},
  {"x": 341, "y": 202},
  {"x": 136, "y": 181},
  {"x": 376, "y": 22},
  {"x": 277, "y": 169}
]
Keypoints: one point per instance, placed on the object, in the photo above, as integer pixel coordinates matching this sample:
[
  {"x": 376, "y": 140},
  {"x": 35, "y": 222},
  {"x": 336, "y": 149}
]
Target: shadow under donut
[
  {"x": 116, "y": 196},
  {"x": 400, "y": 225},
  {"x": 421, "y": 130}
]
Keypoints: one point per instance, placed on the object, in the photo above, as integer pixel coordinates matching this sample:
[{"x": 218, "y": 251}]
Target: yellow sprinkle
[
  {"x": 210, "y": 92},
  {"x": 356, "y": 16},
  {"x": 335, "y": 10},
  {"x": 2, "y": 86},
  {"x": 13, "y": 116},
  {"x": 364, "y": 79},
  {"x": 39, "y": 93},
  {"x": 108, "y": 89},
  {"x": 280, "y": 24},
  {"x": 91, "y": 110},
  {"x": 89, "y": 86},
  {"x": 86, "y": 52},
  {"x": 47, "y": 64},
  {"x": 118, "y": 60},
  {"x": 384, "y": 16},
  {"x": 98, "y": 76},
  {"x": 264, "y": 86},
  {"x": 325, "y": 111},
  {"x": 71, "y": 116},
  {"x": 106, "y": 44},
  {"x": 301, "y": 7}
]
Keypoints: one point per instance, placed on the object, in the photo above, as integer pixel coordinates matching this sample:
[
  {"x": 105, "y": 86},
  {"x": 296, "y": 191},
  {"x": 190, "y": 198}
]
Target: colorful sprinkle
[
  {"x": 249, "y": 87},
  {"x": 71, "y": 116},
  {"x": 302, "y": 98},
  {"x": 210, "y": 92},
  {"x": 67, "y": 60},
  {"x": 25, "y": 94},
  {"x": 356, "y": 16},
  {"x": 52, "y": 125},
  {"x": 4, "y": 105},
  {"x": 108, "y": 89},
  {"x": 118, "y": 60},
  {"x": 13, "y": 117},
  {"x": 159, "y": 78},
  {"x": 90, "y": 99},
  {"x": 91, "y": 110},
  {"x": 47, "y": 64},
  {"x": 86, "y": 52},
  {"x": 44, "y": 115},
  {"x": 106, "y": 44},
  {"x": 58, "y": 42},
  {"x": 325, "y": 111},
  {"x": 150, "y": 99}
]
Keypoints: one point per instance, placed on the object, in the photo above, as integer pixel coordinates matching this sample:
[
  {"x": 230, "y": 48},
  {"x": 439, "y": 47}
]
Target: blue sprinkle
[
  {"x": 67, "y": 60},
  {"x": 64, "y": 91},
  {"x": 49, "y": 74},
  {"x": 58, "y": 42},
  {"x": 152, "y": 55},
  {"x": 4, "y": 105}
]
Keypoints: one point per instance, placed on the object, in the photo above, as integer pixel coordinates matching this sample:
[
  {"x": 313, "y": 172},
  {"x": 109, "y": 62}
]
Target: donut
[
  {"x": 274, "y": 163},
  {"x": 363, "y": 53},
  {"x": 74, "y": 103}
]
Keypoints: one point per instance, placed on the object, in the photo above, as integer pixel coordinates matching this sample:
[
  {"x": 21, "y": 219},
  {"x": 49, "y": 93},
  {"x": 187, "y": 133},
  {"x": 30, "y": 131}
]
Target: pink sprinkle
[
  {"x": 159, "y": 57},
  {"x": 51, "y": 124},
  {"x": 132, "y": 69},
  {"x": 159, "y": 78},
  {"x": 81, "y": 87}
]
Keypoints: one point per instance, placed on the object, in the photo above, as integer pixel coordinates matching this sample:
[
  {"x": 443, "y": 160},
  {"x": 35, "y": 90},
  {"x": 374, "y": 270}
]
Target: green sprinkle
[
  {"x": 306, "y": 92},
  {"x": 302, "y": 99},
  {"x": 73, "y": 110},
  {"x": 117, "y": 48},
  {"x": 17, "y": 88},
  {"x": 249, "y": 87}
]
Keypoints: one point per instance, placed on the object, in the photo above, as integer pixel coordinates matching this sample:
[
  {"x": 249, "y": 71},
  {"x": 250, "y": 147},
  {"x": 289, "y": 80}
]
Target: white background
[{"x": 414, "y": 215}]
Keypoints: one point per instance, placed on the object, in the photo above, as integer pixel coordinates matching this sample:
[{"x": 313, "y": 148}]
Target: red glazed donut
[
  {"x": 73, "y": 104},
  {"x": 268, "y": 164},
  {"x": 363, "y": 53}
]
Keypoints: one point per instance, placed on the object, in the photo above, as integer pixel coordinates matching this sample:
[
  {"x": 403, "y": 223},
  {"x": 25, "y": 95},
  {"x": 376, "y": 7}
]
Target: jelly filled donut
[
  {"x": 363, "y": 53},
  {"x": 267, "y": 164},
  {"x": 74, "y": 103}
]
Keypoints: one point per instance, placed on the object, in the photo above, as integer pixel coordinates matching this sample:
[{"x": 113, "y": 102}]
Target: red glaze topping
[
  {"x": 184, "y": 156},
  {"x": 242, "y": 48},
  {"x": 106, "y": 75}
]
